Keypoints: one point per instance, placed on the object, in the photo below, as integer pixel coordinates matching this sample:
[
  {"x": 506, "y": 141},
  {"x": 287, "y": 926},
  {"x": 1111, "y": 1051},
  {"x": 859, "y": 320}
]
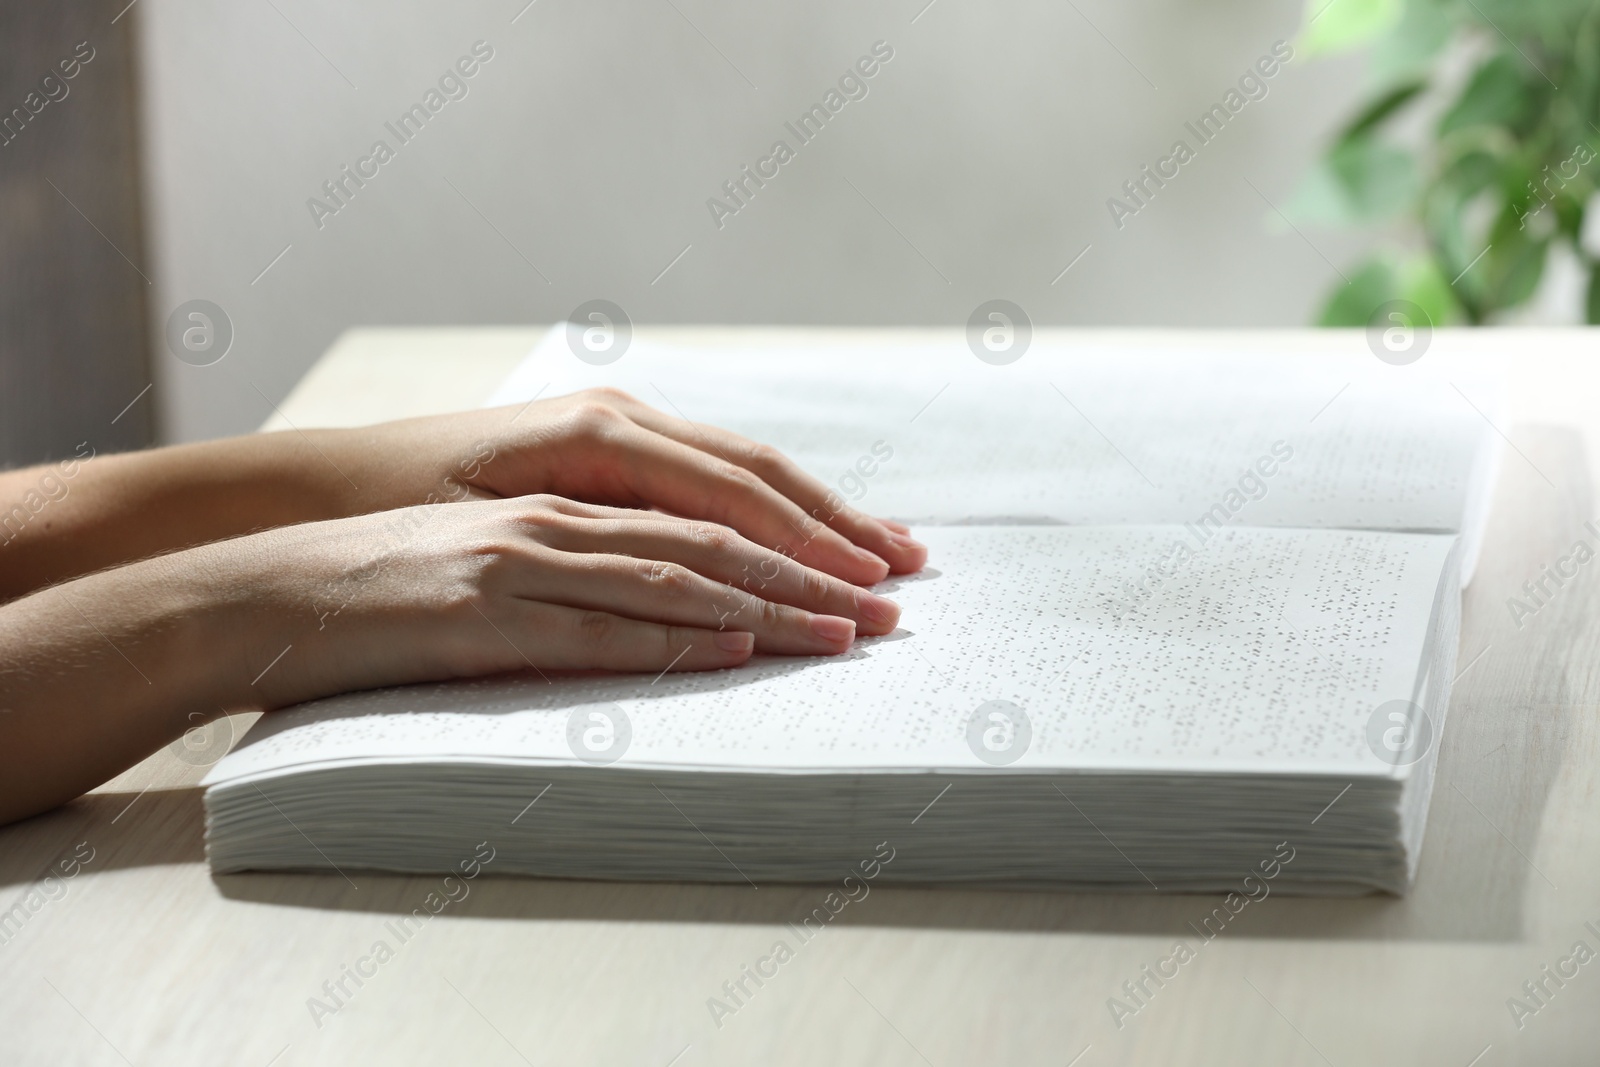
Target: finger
[
  {"x": 721, "y": 554},
  {"x": 658, "y": 470},
  {"x": 556, "y": 637},
  {"x": 890, "y": 542},
  {"x": 670, "y": 593}
]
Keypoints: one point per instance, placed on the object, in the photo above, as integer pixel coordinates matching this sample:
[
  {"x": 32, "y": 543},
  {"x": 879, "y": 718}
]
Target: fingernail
[
  {"x": 904, "y": 540},
  {"x": 872, "y": 559},
  {"x": 734, "y": 641},
  {"x": 833, "y": 629},
  {"x": 878, "y": 609}
]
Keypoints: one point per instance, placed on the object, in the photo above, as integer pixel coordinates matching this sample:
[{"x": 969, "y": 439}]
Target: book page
[
  {"x": 1082, "y": 437},
  {"x": 1099, "y": 648}
]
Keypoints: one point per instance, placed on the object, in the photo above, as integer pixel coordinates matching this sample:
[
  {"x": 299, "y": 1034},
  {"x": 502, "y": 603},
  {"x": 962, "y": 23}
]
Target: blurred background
[{"x": 186, "y": 157}]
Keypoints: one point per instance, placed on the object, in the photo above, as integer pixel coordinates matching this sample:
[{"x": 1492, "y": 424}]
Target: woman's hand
[
  {"x": 585, "y": 532},
  {"x": 534, "y": 583},
  {"x": 602, "y": 446},
  {"x": 599, "y": 447},
  {"x": 100, "y": 671}
]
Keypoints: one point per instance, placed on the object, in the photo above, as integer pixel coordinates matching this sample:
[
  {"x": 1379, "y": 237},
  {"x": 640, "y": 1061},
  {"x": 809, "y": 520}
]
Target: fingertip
[
  {"x": 881, "y": 614},
  {"x": 833, "y": 553},
  {"x": 874, "y": 568},
  {"x": 727, "y": 648},
  {"x": 908, "y": 559},
  {"x": 718, "y": 650},
  {"x": 891, "y": 542},
  {"x": 834, "y": 629},
  {"x": 903, "y": 539},
  {"x": 737, "y": 642},
  {"x": 904, "y": 553}
]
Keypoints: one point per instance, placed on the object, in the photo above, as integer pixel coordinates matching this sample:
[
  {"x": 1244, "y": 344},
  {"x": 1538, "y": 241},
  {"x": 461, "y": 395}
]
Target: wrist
[
  {"x": 101, "y": 671},
  {"x": 250, "y": 610},
  {"x": 319, "y": 608},
  {"x": 401, "y": 464},
  {"x": 210, "y": 632}
]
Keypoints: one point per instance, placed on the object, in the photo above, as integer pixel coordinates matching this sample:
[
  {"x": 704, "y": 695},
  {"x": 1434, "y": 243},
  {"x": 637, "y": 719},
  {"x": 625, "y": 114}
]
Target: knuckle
[
  {"x": 763, "y": 457},
  {"x": 834, "y": 507},
  {"x": 608, "y": 395},
  {"x": 592, "y": 419},
  {"x": 544, "y": 502},
  {"x": 670, "y": 580},
  {"x": 490, "y": 559},
  {"x": 674, "y": 639},
  {"x": 815, "y": 586},
  {"x": 539, "y": 515},
  {"x": 743, "y": 480},
  {"x": 712, "y": 538},
  {"x": 597, "y": 629},
  {"x": 769, "y": 614}
]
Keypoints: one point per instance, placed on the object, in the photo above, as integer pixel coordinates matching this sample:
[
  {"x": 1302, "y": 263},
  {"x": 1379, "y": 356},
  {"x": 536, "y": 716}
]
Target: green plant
[{"x": 1502, "y": 175}]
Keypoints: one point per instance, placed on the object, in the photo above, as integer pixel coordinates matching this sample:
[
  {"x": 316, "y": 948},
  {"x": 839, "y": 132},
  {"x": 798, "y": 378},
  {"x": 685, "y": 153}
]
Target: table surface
[{"x": 142, "y": 957}]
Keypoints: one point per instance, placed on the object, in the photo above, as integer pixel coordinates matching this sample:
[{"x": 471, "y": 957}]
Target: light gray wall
[{"x": 978, "y": 165}]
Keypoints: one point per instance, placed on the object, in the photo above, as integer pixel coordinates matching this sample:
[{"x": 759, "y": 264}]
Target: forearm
[
  {"x": 91, "y": 512},
  {"x": 100, "y": 671},
  {"x": 97, "y": 673}
]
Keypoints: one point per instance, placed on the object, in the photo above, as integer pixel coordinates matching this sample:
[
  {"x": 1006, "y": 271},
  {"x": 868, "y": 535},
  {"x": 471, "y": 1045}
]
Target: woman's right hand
[
  {"x": 535, "y": 583},
  {"x": 100, "y": 671}
]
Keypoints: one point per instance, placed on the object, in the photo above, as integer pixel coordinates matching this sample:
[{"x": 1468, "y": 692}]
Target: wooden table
[{"x": 143, "y": 957}]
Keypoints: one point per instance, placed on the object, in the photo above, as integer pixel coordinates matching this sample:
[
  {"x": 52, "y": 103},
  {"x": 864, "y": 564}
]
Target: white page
[
  {"x": 1268, "y": 651},
  {"x": 1084, "y": 436}
]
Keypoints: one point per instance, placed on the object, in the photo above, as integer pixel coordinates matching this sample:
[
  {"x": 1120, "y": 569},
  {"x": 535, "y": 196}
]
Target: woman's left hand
[{"x": 603, "y": 446}]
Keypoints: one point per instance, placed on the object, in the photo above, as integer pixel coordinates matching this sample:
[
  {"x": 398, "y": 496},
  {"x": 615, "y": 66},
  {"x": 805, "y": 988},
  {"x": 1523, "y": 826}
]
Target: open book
[{"x": 1185, "y": 618}]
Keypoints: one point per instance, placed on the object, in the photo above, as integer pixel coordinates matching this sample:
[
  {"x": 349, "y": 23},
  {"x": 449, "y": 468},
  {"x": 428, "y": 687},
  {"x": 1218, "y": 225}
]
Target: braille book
[{"x": 1185, "y": 614}]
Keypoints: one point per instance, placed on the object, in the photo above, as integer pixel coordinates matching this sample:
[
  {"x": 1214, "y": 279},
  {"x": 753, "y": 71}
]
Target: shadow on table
[{"x": 118, "y": 830}]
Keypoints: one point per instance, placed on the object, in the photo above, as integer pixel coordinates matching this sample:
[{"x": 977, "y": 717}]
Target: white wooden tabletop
[{"x": 126, "y": 950}]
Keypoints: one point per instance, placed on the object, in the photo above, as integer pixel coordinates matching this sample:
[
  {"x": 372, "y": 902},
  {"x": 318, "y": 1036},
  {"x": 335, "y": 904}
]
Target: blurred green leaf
[
  {"x": 1354, "y": 303},
  {"x": 1497, "y": 95},
  {"x": 1376, "y": 179},
  {"x": 1339, "y": 25},
  {"x": 1494, "y": 186},
  {"x": 1386, "y": 277},
  {"x": 1513, "y": 263},
  {"x": 1569, "y": 216},
  {"x": 1441, "y": 220},
  {"x": 1517, "y": 273},
  {"x": 1471, "y": 172},
  {"x": 1546, "y": 19},
  {"x": 1423, "y": 30},
  {"x": 1320, "y": 200},
  {"x": 1422, "y": 283},
  {"x": 1381, "y": 108}
]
